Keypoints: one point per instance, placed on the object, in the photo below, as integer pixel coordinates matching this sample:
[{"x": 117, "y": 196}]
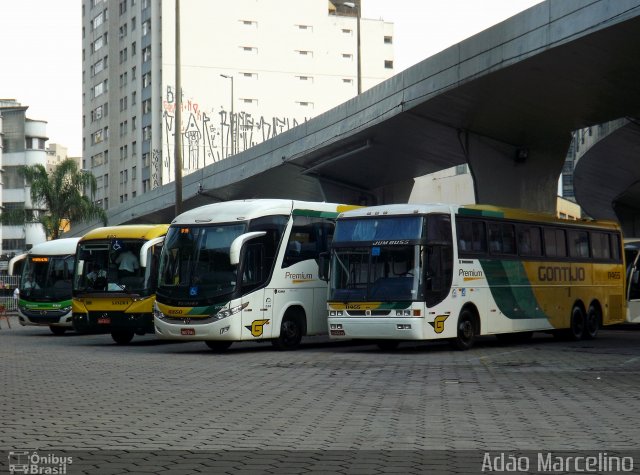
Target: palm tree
[{"x": 59, "y": 195}]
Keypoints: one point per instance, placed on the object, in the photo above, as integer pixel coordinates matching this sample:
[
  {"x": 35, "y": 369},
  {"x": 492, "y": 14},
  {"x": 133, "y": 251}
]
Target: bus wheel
[
  {"x": 593, "y": 323},
  {"x": 122, "y": 337},
  {"x": 466, "y": 334},
  {"x": 218, "y": 346},
  {"x": 388, "y": 345},
  {"x": 577, "y": 329},
  {"x": 57, "y": 330},
  {"x": 290, "y": 334}
]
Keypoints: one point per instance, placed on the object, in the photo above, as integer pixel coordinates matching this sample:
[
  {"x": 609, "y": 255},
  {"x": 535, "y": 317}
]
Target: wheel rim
[
  {"x": 578, "y": 324},
  {"x": 465, "y": 331},
  {"x": 289, "y": 332},
  {"x": 592, "y": 323}
]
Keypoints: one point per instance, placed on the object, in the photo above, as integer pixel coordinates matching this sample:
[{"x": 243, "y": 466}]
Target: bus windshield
[
  {"x": 47, "y": 278},
  {"x": 377, "y": 259},
  {"x": 112, "y": 266},
  {"x": 376, "y": 273},
  {"x": 195, "y": 261}
]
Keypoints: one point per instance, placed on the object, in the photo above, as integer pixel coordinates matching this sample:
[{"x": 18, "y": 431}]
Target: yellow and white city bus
[
  {"x": 422, "y": 272},
  {"x": 115, "y": 280},
  {"x": 245, "y": 271},
  {"x": 45, "y": 284}
]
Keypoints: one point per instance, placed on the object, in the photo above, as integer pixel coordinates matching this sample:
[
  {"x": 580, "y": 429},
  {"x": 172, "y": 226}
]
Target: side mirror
[
  {"x": 236, "y": 245},
  {"x": 323, "y": 266},
  {"x": 144, "y": 250}
]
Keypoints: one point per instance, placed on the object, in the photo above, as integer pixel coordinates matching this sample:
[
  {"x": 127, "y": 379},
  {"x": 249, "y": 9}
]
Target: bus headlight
[
  {"x": 156, "y": 312},
  {"x": 227, "y": 312},
  {"x": 335, "y": 313}
]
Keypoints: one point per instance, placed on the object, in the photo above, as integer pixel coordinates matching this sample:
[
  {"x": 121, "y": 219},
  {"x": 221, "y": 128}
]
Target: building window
[
  {"x": 303, "y": 52},
  {"x": 146, "y": 54},
  {"x": 145, "y": 159},
  {"x": 305, "y": 78},
  {"x": 347, "y": 56},
  {"x": 146, "y": 132},
  {"x": 388, "y": 64},
  {"x": 146, "y": 106},
  {"x": 347, "y": 80},
  {"x": 249, "y": 49},
  {"x": 146, "y": 79},
  {"x": 347, "y": 31},
  {"x": 304, "y": 27},
  {"x": 305, "y": 104},
  {"x": 146, "y": 27},
  {"x": 388, "y": 40}
]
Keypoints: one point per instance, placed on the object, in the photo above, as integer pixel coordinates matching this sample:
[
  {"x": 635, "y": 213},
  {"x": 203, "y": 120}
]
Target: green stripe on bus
[
  {"x": 511, "y": 289},
  {"x": 315, "y": 214},
  {"x": 480, "y": 212}
]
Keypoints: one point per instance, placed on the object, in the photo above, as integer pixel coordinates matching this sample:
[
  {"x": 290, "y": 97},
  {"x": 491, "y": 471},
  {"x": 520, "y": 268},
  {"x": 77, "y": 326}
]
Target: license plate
[
  {"x": 338, "y": 332},
  {"x": 104, "y": 320},
  {"x": 187, "y": 331}
]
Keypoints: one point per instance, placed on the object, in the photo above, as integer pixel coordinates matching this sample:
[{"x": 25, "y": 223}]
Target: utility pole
[{"x": 177, "y": 152}]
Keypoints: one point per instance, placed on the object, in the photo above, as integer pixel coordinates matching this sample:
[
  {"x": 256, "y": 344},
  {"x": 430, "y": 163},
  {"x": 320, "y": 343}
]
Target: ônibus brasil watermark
[
  {"x": 541, "y": 462},
  {"x": 32, "y": 462}
]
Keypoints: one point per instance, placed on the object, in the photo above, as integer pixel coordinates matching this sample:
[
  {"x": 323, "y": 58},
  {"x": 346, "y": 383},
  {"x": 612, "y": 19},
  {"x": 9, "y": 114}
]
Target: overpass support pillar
[{"x": 517, "y": 177}]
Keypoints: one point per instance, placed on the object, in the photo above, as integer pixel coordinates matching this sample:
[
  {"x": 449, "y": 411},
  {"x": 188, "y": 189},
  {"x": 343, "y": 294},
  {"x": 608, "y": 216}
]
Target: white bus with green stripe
[
  {"x": 423, "y": 272},
  {"x": 245, "y": 271},
  {"x": 45, "y": 284}
]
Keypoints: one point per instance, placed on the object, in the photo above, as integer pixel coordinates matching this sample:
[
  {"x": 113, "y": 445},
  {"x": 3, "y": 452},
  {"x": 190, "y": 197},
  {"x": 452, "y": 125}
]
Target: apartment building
[
  {"x": 23, "y": 143},
  {"x": 251, "y": 69}
]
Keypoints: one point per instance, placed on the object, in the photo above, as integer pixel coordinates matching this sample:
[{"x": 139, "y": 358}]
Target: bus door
[
  {"x": 633, "y": 285},
  {"x": 257, "y": 300}
]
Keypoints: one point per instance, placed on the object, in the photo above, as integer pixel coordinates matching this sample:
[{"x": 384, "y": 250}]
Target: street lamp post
[
  {"x": 356, "y": 7},
  {"x": 231, "y": 119}
]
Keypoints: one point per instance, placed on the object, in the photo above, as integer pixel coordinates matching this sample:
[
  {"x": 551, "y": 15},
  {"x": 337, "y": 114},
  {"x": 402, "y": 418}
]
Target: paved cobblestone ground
[{"x": 167, "y": 407}]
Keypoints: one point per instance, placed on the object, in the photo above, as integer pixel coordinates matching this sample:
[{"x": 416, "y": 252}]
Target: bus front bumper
[
  {"x": 352, "y": 328},
  {"x": 105, "y": 322},
  {"x": 227, "y": 329},
  {"x": 45, "y": 319}
]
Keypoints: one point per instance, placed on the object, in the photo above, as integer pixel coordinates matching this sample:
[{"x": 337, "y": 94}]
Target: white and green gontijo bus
[
  {"x": 422, "y": 272},
  {"x": 245, "y": 270},
  {"x": 632, "y": 259},
  {"x": 45, "y": 284}
]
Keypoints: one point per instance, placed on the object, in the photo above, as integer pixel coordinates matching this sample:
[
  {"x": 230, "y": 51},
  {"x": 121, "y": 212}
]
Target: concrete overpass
[
  {"x": 504, "y": 101},
  {"x": 607, "y": 176}
]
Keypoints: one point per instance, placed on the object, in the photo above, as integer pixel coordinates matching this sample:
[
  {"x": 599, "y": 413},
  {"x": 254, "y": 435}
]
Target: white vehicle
[
  {"x": 245, "y": 270},
  {"x": 422, "y": 272},
  {"x": 45, "y": 286},
  {"x": 632, "y": 258}
]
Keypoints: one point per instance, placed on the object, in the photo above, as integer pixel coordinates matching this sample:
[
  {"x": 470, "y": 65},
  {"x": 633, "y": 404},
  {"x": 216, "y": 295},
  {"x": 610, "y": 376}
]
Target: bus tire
[
  {"x": 57, "y": 330},
  {"x": 466, "y": 330},
  {"x": 291, "y": 331},
  {"x": 218, "y": 346},
  {"x": 122, "y": 337},
  {"x": 577, "y": 327},
  {"x": 592, "y": 324}
]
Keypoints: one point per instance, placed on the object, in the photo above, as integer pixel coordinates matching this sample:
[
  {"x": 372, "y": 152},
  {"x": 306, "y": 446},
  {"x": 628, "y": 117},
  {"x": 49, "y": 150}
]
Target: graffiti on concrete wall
[{"x": 209, "y": 136}]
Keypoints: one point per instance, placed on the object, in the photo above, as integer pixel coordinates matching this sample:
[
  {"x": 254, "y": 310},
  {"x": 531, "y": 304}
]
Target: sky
[{"x": 41, "y": 59}]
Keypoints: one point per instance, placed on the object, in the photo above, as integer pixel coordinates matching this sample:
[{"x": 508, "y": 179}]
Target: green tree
[{"x": 59, "y": 196}]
